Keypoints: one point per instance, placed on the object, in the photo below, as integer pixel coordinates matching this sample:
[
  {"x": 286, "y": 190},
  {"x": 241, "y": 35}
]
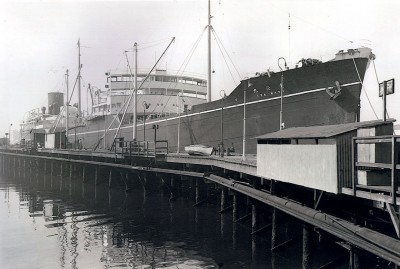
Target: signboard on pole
[{"x": 388, "y": 86}]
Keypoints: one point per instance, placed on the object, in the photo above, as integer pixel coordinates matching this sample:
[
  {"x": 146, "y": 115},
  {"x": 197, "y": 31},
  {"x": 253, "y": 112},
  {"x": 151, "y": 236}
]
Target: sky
[{"x": 39, "y": 43}]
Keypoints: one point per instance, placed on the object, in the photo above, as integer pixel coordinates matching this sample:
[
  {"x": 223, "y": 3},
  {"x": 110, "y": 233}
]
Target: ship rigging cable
[
  {"x": 362, "y": 86},
  {"x": 185, "y": 62},
  {"x": 233, "y": 64},
  {"x": 223, "y": 56},
  {"x": 130, "y": 97}
]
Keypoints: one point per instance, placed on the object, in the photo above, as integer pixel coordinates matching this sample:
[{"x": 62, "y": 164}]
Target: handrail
[
  {"x": 393, "y": 166},
  {"x": 141, "y": 148}
]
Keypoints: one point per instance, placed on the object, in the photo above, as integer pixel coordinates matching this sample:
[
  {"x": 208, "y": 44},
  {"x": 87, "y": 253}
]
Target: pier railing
[
  {"x": 376, "y": 160},
  {"x": 141, "y": 148}
]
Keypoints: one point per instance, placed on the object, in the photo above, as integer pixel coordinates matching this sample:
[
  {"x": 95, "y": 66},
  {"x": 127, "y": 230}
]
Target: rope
[
  {"x": 363, "y": 88},
  {"x": 218, "y": 39},
  {"x": 223, "y": 56}
]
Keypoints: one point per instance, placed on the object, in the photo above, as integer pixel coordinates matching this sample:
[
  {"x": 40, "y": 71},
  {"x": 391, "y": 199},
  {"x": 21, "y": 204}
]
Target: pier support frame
[{"x": 307, "y": 246}]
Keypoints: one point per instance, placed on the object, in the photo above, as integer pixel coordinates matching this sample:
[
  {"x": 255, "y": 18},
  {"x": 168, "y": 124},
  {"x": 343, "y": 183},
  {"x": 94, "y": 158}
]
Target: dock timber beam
[{"x": 381, "y": 245}]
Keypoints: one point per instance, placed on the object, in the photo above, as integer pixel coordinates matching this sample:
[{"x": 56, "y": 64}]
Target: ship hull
[{"x": 306, "y": 102}]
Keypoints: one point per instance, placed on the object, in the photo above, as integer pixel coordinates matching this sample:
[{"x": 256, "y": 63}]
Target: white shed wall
[{"x": 312, "y": 166}]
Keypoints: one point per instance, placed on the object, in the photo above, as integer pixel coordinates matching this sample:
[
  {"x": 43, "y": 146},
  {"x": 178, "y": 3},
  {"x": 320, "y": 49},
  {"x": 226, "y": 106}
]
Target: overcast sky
[{"x": 39, "y": 42}]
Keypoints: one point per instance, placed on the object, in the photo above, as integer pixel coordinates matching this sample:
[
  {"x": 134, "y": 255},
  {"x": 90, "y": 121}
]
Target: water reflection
[{"x": 61, "y": 223}]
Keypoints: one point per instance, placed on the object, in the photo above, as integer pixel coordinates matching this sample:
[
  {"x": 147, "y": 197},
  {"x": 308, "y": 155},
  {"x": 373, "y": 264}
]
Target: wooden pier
[{"x": 334, "y": 179}]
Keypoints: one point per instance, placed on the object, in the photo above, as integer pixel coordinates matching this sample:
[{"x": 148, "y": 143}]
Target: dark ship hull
[{"x": 309, "y": 99}]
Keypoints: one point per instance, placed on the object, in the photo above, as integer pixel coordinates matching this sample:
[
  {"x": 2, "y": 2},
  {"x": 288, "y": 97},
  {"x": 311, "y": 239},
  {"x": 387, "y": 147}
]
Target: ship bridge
[{"x": 163, "y": 93}]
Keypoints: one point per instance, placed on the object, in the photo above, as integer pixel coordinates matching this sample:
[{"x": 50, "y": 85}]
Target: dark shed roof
[{"x": 323, "y": 131}]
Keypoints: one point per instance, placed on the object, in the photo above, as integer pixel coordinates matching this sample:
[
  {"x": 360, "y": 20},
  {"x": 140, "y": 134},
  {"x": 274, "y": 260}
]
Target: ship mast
[
  {"x": 135, "y": 97},
  {"x": 209, "y": 54},
  {"x": 66, "y": 110},
  {"x": 79, "y": 78}
]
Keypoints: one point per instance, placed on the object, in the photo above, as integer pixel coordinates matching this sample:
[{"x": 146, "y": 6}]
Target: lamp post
[
  {"x": 155, "y": 127},
  {"x": 76, "y": 118},
  {"x": 223, "y": 95},
  {"x": 145, "y": 106},
  {"x": 9, "y": 135},
  {"x": 179, "y": 123},
  {"x": 281, "y": 124},
  {"x": 244, "y": 117}
]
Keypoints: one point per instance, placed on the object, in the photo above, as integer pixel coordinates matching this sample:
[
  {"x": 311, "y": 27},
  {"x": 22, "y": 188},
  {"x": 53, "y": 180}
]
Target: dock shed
[{"x": 319, "y": 157}]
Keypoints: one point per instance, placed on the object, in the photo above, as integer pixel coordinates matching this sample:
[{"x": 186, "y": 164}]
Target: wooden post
[
  {"x": 222, "y": 230},
  {"x": 110, "y": 178},
  {"x": 45, "y": 171},
  {"x": 24, "y": 168},
  {"x": 70, "y": 178},
  {"x": 83, "y": 174},
  {"x": 235, "y": 204},
  {"x": 19, "y": 167},
  {"x": 197, "y": 191},
  {"x": 37, "y": 171},
  {"x": 307, "y": 246},
  {"x": 275, "y": 220},
  {"x": 353, "y": 166},
  {"x": 51, "y": 174},
  {"x": 9, "y": 166},
  {"x": 354, "y": 262},
  {"x": 224, "y": 197},
  {"x": 254, "y": 209},
  {"x": 30, "y": 170},
  {"x": 61, "y": 171},
  {"x": 14, "y": 168},
  {"x": 394, "y": 170},
  {"x": 254, "y": 243},
  {"x": 254, "y": 217},
  {"x": 96, "y": 174}
]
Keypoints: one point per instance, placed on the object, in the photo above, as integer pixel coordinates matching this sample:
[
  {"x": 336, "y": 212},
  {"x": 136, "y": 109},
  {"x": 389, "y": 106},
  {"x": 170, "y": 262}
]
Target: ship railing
[
  {"x": 141, "y": 148},
  {"x": 378, "y": 159}
]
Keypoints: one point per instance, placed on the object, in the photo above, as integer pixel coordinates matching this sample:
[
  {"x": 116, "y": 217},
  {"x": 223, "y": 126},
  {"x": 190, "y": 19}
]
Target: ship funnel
[{"x": 55, "y": 101}]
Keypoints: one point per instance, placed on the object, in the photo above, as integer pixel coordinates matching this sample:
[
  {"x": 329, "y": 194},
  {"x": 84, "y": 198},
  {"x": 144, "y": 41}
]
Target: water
[{"x": 52, "y": 225}]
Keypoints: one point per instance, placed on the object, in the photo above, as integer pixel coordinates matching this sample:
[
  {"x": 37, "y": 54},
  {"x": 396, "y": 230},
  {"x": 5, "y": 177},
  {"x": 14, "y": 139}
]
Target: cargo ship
[
  {"x": 314, "y": 93},
  {"x": 178, "y": 108}
]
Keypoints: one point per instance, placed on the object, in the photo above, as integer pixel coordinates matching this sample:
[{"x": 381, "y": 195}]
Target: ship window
[
  {"x": 113, "y": 105},
  {"x": 118, "y": 104}
]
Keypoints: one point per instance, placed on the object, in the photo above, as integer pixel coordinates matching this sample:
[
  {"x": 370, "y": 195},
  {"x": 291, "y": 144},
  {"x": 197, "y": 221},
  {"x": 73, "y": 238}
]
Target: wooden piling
[
  {"x": 70, "y": 178},
  {"x": 61, "y": 171},
  {"x": 19, "y": 167},
  {"x": 197, "y": 191},
  {"x": 235, "y": 204},
  {"x": 45, "y": 171},
  {"x": 275, "y": 221},
  {"x": 51, "y": 173},
  {"x": 254, "y": 217},
  {"x": 307, "y": 246},
  {"x": 354, "y": 262},
  {"x": 96, "y": 175},
  {"x": 15, "y": 166},
  {"x": 110, "y": 179},
  {"x": 224, "y": 198},
  {"x": 30, "y": 170},
  {"x": 83, "y": 173}
]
